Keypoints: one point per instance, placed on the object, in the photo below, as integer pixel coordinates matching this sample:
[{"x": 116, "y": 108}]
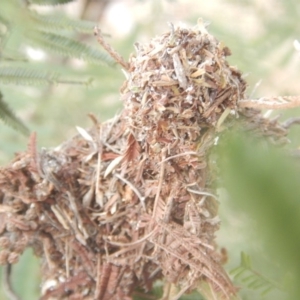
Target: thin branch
[
  {"x": 271, "y": 102},
  {"x": 112, "y": 52}
]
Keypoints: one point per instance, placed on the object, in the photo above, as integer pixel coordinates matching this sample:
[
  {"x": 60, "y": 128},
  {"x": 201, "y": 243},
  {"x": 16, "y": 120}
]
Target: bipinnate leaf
[
  {"x": 30, "y": 76},
  {"x": 8, "y": 116},
  {"x": 50, "y": 2},
  {"x": 56, "y": 22},
  {"x": 69, "y": 47},
  {"x": 252, "y": 279}
]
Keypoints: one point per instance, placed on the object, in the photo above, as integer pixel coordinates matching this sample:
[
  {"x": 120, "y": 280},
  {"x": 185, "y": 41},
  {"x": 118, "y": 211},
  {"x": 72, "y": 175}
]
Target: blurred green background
[{"x": 260, "y": 35}]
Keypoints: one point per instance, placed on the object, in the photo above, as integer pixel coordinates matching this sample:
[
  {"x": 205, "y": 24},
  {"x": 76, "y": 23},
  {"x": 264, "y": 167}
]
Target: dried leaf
[
  {"x": 113, "y": 165},
  {"x": 133, "y": 149},
  {"x": 85, "y": 134}
]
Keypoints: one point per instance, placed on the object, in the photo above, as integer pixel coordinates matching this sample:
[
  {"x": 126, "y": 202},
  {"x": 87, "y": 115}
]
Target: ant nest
[{"x": 131, "y": 201}]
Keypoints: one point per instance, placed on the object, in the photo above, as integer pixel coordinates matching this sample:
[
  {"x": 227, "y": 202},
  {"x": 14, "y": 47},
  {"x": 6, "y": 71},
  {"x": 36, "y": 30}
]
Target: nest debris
[{"x": 131, "y": 200}]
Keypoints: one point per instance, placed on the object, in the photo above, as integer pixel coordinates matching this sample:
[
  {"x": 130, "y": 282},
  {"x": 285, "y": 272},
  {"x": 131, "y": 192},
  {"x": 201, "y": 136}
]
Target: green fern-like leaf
[
  {"x": 57, "y": 22},
  {"x": 24, "y": 76},
  {"x": 25, "y": 27},
  {"x": 252, "y": 279},
  {"x": 30, "y": 76},
  {"x": 11, "y": 55},
  {"x": 66, "y": 46},
  {"x": 50, "y": 2},
  {"x": 7, "y": 115}
]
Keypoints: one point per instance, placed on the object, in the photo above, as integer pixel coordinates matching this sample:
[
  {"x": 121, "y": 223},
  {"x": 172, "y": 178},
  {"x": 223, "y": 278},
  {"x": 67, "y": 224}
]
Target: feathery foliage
[
  {"x": 25, "y": 22},
  {"x": 69, "y": 47},
  {"x": 23, "y": 25},
  {"x": 248, "y": 276},
  {"x": 50, "y": 2},
  {"x": 58, "y": 21},
  {"x": 30, "y": 76},
  {"x": 8, "y": 116}
]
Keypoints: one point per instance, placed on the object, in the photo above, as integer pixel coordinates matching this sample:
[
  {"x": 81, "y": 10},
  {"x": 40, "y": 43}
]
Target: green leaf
[
  {"x": 30, "y": 76},
  {"x": 8, "y": 116},
  {"x": 68, "y": 47},
  {"x": 26, "y": 76},
  {"x": 247, "y": 279},
  {"x": 58, "y": 22},
  {"x": 236, "y": 272},
  {"x": 257, "y": 284},
  {"x": 245, "y": 260},
  {"x": 50, "y": 2},
  {"x": 251, "y": 278}
]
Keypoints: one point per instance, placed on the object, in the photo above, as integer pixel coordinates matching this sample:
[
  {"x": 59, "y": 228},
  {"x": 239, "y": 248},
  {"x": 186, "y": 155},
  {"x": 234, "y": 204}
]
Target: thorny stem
[
  {"x": 113, "y": 53},
  {"x": 7, "y": 286}
]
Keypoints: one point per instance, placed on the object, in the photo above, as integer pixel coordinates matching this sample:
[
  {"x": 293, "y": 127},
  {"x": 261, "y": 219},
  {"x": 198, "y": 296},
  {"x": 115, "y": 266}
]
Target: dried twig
[
  {"x": 113, "y": 53},
  {"x": 32, "y": 149},
  {"x": 280, "y": 102}
]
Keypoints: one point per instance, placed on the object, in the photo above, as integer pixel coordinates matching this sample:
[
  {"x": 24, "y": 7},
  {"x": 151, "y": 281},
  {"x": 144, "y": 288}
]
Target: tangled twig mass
[{"x": 132, "y": 200}]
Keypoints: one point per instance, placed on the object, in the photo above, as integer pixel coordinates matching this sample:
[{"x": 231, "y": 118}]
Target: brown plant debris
[{"x": 132, "y": 200}]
